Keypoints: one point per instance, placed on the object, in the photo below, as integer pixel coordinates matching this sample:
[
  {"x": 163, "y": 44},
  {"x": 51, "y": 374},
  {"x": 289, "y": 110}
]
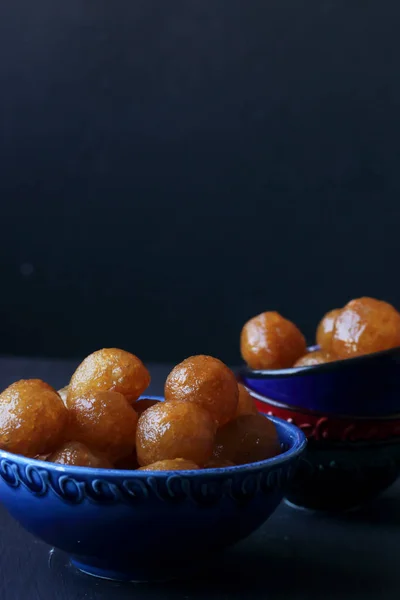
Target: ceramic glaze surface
[
  {"x": 363, "y": 386},
  {"x": 120, "y": 524},
  {"x": 348, "y": 460}
]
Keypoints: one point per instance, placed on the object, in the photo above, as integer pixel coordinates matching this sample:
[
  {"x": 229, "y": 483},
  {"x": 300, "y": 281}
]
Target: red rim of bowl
[{"x": 327, "y": 427}]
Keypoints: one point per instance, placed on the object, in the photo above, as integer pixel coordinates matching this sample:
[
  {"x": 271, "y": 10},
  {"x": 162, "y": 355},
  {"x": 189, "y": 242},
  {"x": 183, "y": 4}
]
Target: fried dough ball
[
  {"x": 110, "y": 370},
  {"x": 128, "y": 463},
  {"x": 325, "y": 329},
  {"x": 365, "y": 325},
  {"x": 318, "y": 357},
  {"x": 246, "y": 404},
  {"x": 170, "y": 430},
  {"x": 247, "y": 439},
  {"x": 268, "y": 341},
  {"x": 104, "y": 421},
  {"x": 207, "y": 382},
  {"x": 218, "y": 463},
  {"x": 143, "y": 404},
  {"x": 42, "y": 456},
  {"x": 33, "y": 418},
  {"x": 79, "y": 455},
  {"x": 176, "y": 464},
  {"x": 63, "y": 393}
]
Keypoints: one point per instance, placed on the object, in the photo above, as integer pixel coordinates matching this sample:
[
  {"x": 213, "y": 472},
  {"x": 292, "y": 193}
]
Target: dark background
[{"x": 171, "y": 168}]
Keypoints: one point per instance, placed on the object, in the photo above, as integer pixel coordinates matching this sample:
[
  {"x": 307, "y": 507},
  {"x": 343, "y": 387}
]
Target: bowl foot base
[
  {"x": 348, "y": 509},
  {"x": 136, "y": 574}
]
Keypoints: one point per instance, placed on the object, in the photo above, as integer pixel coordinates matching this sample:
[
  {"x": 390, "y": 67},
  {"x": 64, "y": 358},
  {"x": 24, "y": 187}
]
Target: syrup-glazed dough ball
[
  {"x": 143, "y": 404},
  {"x": 246, "y": 404},
  {"x": 105, "y": 422},
  {"x": 268, "y": 341},
  {"x": 365, "y": 325},
  {"x": 207, "y": 382},
  {"x": 170, "y": 430},
  {"x": 325, "y": 329},
  {"x": 318, "y": 357},
  {"x": 33, "y": 418},
  {"x": 128, "y": 463},
  {"x": 79, "y": 455},
  {"x": 218, "y": 463},
  {"x": 110, "y": 370},
  {"x": 247, "y": 439},
  {"x": 177, "y": 464}
]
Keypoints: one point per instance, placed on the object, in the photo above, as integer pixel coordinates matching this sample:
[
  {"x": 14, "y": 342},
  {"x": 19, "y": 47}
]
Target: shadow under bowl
[
  {"x": 145, "y": 526},
  {"x": 348, "y": 461},
  {"x": 362, "y": 386}
]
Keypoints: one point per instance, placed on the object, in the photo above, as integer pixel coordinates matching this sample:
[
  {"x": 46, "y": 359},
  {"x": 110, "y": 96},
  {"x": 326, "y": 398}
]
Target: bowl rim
[
  {"x": 317, "y": 413},
  {"x": 344, "y": 363},
  {"x": 296, "y": 449}
]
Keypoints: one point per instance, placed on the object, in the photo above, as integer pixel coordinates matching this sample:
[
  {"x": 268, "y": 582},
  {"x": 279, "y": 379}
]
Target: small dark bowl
[
  {"x": 138, "y": 525},
  {"x": 348, "y": 460},
  {"x": 363, "y": 386}
]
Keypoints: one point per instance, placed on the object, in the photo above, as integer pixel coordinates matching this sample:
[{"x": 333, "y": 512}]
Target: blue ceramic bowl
[
  {"x": 348, "y": 462},
  {"x": 363, "y": 386},
  {"x": 141, "y": 526},
  {"x": 340, "y": 476}
]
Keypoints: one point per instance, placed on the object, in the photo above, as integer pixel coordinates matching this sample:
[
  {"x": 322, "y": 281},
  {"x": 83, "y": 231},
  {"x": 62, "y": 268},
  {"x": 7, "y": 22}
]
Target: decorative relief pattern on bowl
[
  {"x": 330, "y": 428},
  {"x": 241, "y": 487}
]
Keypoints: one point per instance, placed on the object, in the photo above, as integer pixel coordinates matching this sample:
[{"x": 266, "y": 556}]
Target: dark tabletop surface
[{"x": 296, "y": 555}]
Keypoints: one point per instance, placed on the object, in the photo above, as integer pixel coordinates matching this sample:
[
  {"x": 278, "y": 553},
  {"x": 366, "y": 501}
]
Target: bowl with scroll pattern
[
  {"x": 348, "y": 461},
  {"x": 141, "y": 525}
]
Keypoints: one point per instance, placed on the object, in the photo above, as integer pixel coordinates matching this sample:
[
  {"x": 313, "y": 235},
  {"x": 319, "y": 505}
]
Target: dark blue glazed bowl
[
  {"x": 348, "y": 462},
  {"x": 363, "y": 386},
  {"x": 339, "y": 476},
  {"x": 141, "y": 526}
]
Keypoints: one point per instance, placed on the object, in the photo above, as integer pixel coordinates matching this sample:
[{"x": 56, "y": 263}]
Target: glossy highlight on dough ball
[
  {"x": 247, "y": 439},
  {"x": 365, "y": 325},
  {"x": 269, "y": 341},
  {"x": 110, "y": 370},
  {"x": 78, "y": 455},
  {"x": 33, "y": 418},
  {"x": 207, "y": 382},
  {"x": 170, "y": 430},
  {"x": 177, "y": 464},
  {"x": 325, "y": 329},
  {"x": 105, "y": 422},
  {"x": 63, "y": 393},
  {"x": 318, "y": 357}
]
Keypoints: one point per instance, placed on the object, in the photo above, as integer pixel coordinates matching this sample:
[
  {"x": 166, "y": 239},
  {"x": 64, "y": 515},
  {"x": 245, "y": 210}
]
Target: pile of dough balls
[
  {"x": 99, "y": 420},
  {"x": 363, "y": 326}
]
